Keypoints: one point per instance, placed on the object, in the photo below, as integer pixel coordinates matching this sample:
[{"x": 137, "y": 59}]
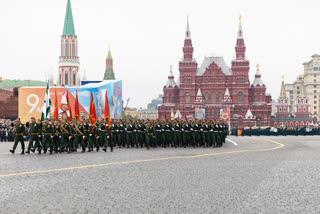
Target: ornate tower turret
[
  {"x": 187, "y": 67},
  {"x": 302, "y": 108},
  {"x": 283, "y": 102},
  {"x": 240, "y": 75},
  {"x": 109, "y": 74},
  {"x": 69, "y": 60}
]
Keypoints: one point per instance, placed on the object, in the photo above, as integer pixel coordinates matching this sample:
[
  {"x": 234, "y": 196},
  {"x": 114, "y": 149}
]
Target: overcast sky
[{"x": 146, "y": 37}]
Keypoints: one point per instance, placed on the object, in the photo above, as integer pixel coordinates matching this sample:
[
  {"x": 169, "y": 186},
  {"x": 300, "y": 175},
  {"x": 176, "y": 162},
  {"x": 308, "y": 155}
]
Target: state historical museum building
[{"x": 214, "y": 86}]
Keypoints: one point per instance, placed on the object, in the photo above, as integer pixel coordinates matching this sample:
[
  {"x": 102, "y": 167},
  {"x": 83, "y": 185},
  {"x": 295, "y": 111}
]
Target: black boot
[
  {"x": 33, "y": 150},
  {"x": 104, "y": 149},
  {"x": 44, "y": 151},
  {"x": 22, "y": 153},
  {"x": 28, "y": 151},
  {"x": 12, "y": 151}
]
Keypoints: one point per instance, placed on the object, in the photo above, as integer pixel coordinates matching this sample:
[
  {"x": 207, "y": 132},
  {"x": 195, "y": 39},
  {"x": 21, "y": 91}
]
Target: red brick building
[
  {"x": 214, "y": 86},
  {"x": 302, "y": 109}
]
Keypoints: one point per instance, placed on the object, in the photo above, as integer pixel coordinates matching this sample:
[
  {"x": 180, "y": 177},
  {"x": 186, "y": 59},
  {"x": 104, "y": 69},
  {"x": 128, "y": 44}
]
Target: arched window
[
  {"x": 213, "y": 97},
  {"x": 66, "y": 79},
  {"x": 67, "y": 48},
  {"x": 206, "y": 97},
  {"x": 74, "y": 79},
  {"x": 304, "y": 109},
  {"x": 240, "y": 96},
  {"x": 220, "y": 97},
  {"x": 170, "y": 98},
  {"x": 280, "y": 109},
  {"x": 187, "y": 97}
]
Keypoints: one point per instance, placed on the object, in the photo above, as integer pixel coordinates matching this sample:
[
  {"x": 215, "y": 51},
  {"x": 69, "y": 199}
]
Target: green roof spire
[
  {"x": 68, "y": 29},
  {"x": 109, "y": 53}
]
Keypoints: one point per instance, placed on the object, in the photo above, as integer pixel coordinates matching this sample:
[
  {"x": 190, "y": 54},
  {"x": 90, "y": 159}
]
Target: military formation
[
  {"x": 58, "y": 136},
  {"x": 276, "y": 131}
]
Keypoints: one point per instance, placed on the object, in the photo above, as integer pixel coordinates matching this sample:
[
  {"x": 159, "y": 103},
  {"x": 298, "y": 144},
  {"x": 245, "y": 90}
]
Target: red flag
[
  {"x": 92, "y": 114},
  {"x": 69, "y": 107},
  {"x": 185, "y": 115},
  {"x": 107, "y": 110},
  {"x": 77, "y": 108},
  {"x": 158, "y": 115},
  {"x": 56, "y": 107},
  {"x": 165, "y": 115}
]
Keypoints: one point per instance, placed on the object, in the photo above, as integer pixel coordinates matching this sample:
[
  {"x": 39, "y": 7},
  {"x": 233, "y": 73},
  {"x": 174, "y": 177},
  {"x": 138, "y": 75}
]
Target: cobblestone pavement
[{"x": 255, "y": 180}]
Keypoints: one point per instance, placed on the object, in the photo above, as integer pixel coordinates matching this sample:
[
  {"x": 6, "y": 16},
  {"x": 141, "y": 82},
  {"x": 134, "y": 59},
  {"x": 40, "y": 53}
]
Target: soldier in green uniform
[
  {"x": 140, "y": 128},
  {"x": 149, "y": 135},
  {"x": 212, "y": 135},
  {"x": 65, "y": 133},
  {"x": 47, "y": 136},
  {"x": 78, "y": 135},
  {"x": 56, "y": 136},
  {"x": 19, "y": 137},
  {"x": 34, "y": 135},
  {"x": 130, "y": 141},
  {"x": 85, "y": 130}
]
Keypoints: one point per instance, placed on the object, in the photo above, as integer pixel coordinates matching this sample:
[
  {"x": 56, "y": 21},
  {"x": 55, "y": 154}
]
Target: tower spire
[
  {"x": 283, "y": 90},
  {"x": 240, "y": 33},
  {"x": 303, "y": 92},
  {"x": 188, "y": 33},
  {"x": 68, "y": 29},
  {"x": 109, "y": 73},
  {"x": 240, "y": 47},
  {"x": 188, "y": 49}
]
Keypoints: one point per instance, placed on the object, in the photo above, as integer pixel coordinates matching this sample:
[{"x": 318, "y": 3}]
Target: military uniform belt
[
  {"x": 35, "y": 133},
  {"x": 47, "y": 134},
  {"x": 20, "y": 134}
]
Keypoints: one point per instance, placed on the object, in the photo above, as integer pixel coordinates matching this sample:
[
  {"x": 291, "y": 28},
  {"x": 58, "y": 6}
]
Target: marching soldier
[
  {"x": 34, "y": 136},
  {"x": 20, "y": 131},
  {"x": 65, "y": 134},
  {"x": 56, "y": 136},
  {"x": 47, "y": 136}
]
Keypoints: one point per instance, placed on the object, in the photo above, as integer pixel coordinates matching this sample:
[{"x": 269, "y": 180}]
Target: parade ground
[{"x": 246, "y": 175}]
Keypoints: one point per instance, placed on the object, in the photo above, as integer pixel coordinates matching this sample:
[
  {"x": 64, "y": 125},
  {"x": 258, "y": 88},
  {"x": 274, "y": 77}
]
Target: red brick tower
[
  {"x": 187, "y": 67},
  {"x": 302, "y": 106},
  {"x": 240, "y": 77},
  {"x": 69, "y": 60},
  {"x": 170, "y": 97},
  {"x": 283, "y": 102}
]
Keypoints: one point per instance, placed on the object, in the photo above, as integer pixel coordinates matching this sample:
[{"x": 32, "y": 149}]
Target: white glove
[
  {"x": 108, "y": 137},
  {"x": 90, "y": 135},
  {"x": 83, "y": 137},
  {"x": 98, "y": 137},
  {"x": 134, "y": 130},
  {"x": 125, "y": 129},
  {"x": 191, "y": 129},
  {"x": 39, "y": 135},
  {"x": 59, "y": 137},
  {"x": 99, "y": 129},
  {"x": 51, "y": 137},
  {"x": 69, "y": 137},
  {"x": 162, "y": 130},
  {"x": 182, "y": 129}
]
